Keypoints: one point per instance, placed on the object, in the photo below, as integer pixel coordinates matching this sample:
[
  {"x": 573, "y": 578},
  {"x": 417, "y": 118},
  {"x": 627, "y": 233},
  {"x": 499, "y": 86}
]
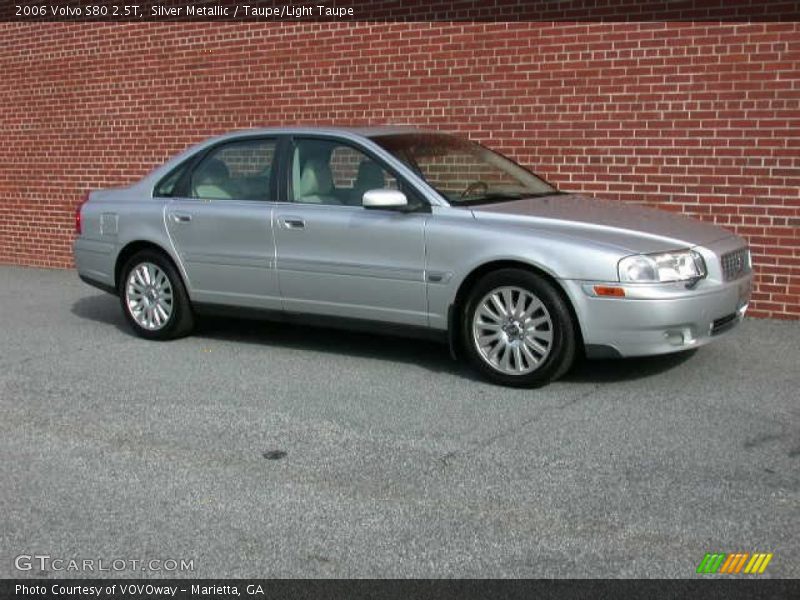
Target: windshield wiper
[
  {"x": 495, "y": 197},
  {"x": 543, "y": 194},
  {"x": 503, "y": 196}
]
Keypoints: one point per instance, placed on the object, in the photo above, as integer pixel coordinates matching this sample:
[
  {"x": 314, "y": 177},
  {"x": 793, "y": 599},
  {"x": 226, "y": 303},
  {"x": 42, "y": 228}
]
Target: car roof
[{"x": 364, "y": 132}]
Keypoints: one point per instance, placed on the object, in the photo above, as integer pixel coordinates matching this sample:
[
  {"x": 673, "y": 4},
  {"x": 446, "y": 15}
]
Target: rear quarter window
[{"x": 168, "y": 184}]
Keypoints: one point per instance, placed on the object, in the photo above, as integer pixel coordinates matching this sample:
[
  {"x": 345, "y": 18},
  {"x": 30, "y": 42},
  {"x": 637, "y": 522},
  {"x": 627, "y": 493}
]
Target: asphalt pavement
[{"x": 263, "y": 450}]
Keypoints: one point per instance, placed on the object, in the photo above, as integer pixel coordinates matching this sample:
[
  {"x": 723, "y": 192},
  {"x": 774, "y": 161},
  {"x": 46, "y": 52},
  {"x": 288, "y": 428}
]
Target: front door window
[{"x": 333, "y": 173}]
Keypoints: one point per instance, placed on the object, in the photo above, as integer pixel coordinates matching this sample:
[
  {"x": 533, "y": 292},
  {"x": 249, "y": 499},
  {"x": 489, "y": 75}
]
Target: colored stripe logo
[{"x": 735, "y": 563}]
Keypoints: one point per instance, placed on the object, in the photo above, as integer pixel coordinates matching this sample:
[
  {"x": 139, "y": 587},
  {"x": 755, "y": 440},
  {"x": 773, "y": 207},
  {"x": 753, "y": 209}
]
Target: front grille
[{"x": 735, "y": 264}]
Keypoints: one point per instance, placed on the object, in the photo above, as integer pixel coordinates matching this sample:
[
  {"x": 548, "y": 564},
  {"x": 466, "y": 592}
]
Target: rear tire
[
  {"x": 517, "y": 330},
  {"x": 153, "y": 297}
]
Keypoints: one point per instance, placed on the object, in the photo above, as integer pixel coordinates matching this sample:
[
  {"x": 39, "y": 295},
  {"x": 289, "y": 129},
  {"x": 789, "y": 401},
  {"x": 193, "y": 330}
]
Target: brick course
[{"x": 700, "y": 118}]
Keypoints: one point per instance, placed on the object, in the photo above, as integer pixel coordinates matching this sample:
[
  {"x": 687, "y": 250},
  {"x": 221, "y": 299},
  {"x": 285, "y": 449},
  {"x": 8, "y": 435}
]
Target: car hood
[{"x": 636, "y": 228}]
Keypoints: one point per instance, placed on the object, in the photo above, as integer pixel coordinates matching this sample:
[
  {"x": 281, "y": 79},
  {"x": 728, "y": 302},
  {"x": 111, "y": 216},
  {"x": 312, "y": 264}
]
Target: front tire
[
  {"x": 517, "y": 329},
  {"x": 153, "y": 297}
]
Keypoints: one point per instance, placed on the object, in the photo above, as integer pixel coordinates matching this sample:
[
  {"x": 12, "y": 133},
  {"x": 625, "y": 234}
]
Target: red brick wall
[{"x": 702, "y": 118}]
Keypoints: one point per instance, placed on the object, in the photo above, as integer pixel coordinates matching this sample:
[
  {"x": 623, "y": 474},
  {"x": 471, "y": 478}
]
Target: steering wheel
[{"x": 474, "y": 186}]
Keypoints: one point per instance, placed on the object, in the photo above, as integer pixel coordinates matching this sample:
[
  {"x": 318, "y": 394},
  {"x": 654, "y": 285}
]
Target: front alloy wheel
[
  {"x": 517, "y": 329},
  {"x": 512, "y": 330}
]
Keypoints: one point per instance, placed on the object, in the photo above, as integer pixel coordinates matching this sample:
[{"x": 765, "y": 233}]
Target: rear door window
[{"x": 238, "y": 170}]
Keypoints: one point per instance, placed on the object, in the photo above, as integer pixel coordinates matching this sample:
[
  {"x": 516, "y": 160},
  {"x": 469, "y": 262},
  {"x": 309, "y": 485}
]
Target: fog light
[
  {"x": 680, "y": 337},
  {"x": 674, "y": 338}
]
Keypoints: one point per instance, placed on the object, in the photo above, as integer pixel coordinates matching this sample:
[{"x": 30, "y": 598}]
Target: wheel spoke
[
  {"x": 519, "y": 307},
  {"x": 485, "y": 311},
  {"x": 508, "y": 301},
  {"x": 162, "y": 312},
  {"x": 543, "y": 335},
  {"x": 498, "y": 304},
  {"x": 532, "y": 360},
  {"x": 485, "y": 340},
  {"x": 493, "y": 355},
  {"x": 534, "y": 306},
  {"x": 483, "y": 326},
  {"x": 505, "y": 361},
  {"x": 518, "y": 358},
  {"x": 535, "y": 346},
  {"x": 534, "y": 322}
]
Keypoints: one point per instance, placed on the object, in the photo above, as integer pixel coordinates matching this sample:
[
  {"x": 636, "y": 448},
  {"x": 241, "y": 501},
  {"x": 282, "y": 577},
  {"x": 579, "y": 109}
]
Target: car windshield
[{"x": 462, "y": 171}]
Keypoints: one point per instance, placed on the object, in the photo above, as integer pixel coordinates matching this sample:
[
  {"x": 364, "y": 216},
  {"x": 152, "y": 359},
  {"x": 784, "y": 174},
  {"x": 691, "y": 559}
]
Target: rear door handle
[
  {"x": 291, "y": 222},
  {"x": 180, "y": 217}
]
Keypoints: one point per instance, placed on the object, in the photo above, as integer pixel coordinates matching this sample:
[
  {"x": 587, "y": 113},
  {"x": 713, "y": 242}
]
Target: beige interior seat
[
  {"x": 315, "y": 184},
  {"x": 213, "y": 181}
]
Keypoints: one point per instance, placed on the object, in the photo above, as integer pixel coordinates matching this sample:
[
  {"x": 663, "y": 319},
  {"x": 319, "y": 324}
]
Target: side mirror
[{"x": 386, "y": 199}]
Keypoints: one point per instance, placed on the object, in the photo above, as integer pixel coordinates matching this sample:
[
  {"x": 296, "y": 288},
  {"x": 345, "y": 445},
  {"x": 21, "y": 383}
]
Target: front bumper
[{"x": 660, "y": 319}]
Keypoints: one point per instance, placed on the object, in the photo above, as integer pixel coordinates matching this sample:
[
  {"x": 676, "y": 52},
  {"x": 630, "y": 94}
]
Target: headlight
[{"x": 684, "y": 265}]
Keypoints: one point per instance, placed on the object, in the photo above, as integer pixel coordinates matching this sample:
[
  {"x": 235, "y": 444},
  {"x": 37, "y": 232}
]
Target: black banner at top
[{"x": 33, "y": 11}]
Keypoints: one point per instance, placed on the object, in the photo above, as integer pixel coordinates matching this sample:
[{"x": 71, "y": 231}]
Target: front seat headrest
[
  {"x": 315, "y": 180},
  {"x": 213, "y": 172},
  {"x": 370, "y": 176}
]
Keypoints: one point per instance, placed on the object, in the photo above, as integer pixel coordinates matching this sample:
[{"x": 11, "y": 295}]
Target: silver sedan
[{"x": 414, "y": 232}]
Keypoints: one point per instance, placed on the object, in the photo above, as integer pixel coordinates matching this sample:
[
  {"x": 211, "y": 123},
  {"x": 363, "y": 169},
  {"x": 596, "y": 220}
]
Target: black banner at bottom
[{"x": 405, "y": 589}]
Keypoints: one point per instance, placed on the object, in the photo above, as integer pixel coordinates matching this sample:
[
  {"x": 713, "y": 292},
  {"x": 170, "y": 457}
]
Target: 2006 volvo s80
[{"x": 425, "y": 231}]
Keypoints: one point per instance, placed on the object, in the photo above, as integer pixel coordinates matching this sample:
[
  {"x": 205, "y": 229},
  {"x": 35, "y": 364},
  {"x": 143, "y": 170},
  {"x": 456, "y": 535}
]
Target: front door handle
[
  {"x": 180, "y": 217},
  {"x": 291, "y": 222}
]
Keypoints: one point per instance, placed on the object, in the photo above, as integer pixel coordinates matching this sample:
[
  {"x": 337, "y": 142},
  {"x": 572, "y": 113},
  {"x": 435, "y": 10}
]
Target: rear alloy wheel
[
  {"x": 153, "y": 298},
  {"x": 517, "y": 329}
]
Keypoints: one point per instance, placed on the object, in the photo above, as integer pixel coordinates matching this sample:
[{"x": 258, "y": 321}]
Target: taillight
[{"x": 78, "y": 226}]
